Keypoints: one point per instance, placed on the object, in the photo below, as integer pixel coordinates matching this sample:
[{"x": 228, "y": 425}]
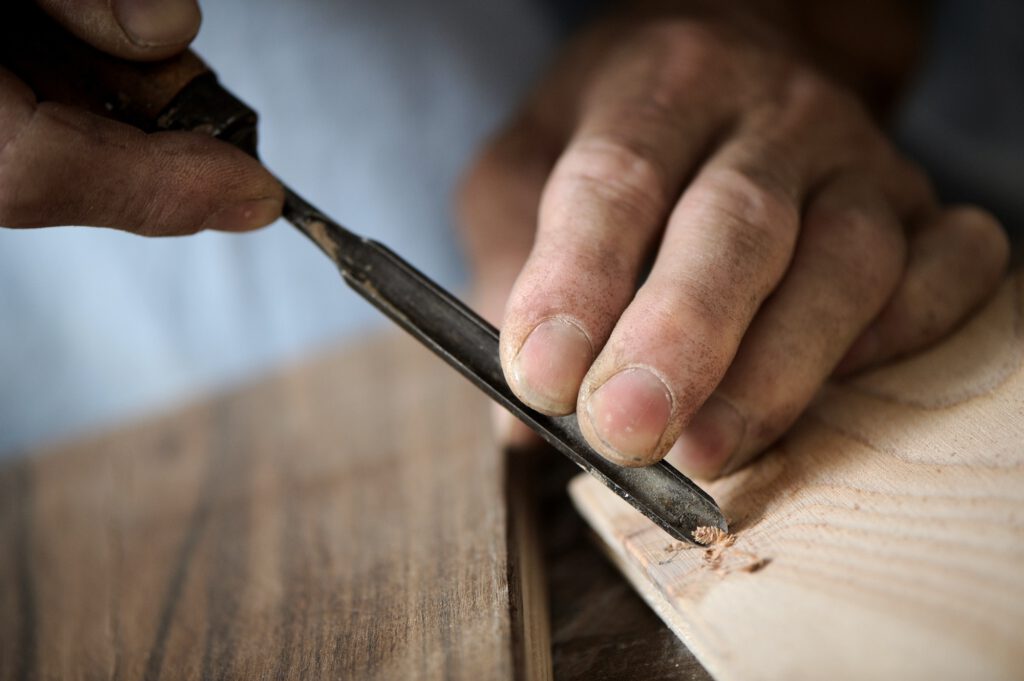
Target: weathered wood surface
[
  {"x": 346, "y": 519},
  {"x": 882, "y": 539}
]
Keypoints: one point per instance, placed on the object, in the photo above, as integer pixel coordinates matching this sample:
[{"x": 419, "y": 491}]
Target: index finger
[{"x": 603, "y": 209}]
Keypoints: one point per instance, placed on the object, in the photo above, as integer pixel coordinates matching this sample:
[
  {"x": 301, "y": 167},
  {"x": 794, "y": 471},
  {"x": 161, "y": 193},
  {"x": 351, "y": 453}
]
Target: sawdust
[
  {"x": 722, "y": 557},
  {"x": 712, "y": 536},
  {"x": 720, "y": 554}
]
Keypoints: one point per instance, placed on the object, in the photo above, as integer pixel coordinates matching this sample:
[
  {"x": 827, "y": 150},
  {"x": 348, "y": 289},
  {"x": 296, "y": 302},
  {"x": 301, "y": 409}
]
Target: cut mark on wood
[{"x": 719, "y": 555}]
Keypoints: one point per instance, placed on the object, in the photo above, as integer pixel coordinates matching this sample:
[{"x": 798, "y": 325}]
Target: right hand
[{"x": 60, "y": 165}]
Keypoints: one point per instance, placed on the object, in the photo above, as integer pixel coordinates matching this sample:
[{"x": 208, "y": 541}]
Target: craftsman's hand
[
  {"x": 64, "y": 166},
  {"x": 786, "y": 240}
]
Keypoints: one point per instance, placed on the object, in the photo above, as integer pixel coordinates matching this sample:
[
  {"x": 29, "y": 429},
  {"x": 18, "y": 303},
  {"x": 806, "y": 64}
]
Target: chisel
[{"x": 183, "y": 94}]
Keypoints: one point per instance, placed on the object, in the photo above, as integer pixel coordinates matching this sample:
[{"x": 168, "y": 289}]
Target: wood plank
[
  {"x": 882, "y": 538},
  {"x": 347, "y": 518}
]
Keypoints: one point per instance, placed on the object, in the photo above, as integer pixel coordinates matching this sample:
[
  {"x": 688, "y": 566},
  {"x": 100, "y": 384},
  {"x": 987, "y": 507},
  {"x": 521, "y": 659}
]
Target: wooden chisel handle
[{"x": 152, "y": 95}]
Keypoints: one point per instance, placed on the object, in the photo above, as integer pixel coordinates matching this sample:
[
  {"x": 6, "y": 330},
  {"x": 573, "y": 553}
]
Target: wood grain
[
  {"x": 347, "y": 519},
  {"x": 882, "y": 538}
]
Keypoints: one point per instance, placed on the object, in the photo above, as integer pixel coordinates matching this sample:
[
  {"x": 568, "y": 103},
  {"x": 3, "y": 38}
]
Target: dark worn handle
[{"x": 60, "y": 67}]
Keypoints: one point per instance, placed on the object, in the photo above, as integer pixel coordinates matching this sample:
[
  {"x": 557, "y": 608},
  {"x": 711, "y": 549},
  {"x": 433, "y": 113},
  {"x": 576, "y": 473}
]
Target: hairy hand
[
  {"x": 63, "y": 166},
  {"x": 775, "y": 234}
]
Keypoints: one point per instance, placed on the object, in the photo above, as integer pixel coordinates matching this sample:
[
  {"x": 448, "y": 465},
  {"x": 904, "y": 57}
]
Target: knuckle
[
  {"x": 806, "y": 107},
  {"x": 861, "y": 246},
  {"x": 761, "y": 217},
  {"x": 620, "y": 171},
  {"x": 810, "y": 95}
]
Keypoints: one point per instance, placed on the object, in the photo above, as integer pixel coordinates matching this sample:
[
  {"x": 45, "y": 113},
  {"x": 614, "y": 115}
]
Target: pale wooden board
[
  {"x": 346, "y": 519},
  {"x": 893, "y": 519}
]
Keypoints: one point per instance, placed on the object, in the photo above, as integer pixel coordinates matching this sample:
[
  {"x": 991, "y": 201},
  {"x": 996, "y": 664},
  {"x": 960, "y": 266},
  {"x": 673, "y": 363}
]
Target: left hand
[{"x": 792, "y": 240}]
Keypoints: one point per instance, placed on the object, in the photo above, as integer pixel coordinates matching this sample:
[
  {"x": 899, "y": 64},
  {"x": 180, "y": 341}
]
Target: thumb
[
  {"x": 132, "y": 29},
  {"x": 63, "y": 166}
]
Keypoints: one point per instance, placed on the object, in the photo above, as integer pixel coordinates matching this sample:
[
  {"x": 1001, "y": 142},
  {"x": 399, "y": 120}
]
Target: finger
[
  {"x": 727, "y": 244},
  {"x": 601, "y": 213},
  {"x": 848, "y": 260},
  {"x": 133, "y": 29},
  {"x": 61, "y": 166},
  {"x": 956, "y": 260},
  {"x": 499, "y": 194}
]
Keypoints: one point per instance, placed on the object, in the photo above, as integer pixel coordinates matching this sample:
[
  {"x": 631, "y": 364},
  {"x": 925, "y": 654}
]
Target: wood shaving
[
  {"x": 721, "y": 557},
  {"x": 712, "y": 536}
]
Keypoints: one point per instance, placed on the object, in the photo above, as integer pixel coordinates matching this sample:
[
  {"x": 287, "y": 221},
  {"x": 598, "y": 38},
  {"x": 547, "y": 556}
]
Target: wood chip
[{"x": 712, "y": 536}]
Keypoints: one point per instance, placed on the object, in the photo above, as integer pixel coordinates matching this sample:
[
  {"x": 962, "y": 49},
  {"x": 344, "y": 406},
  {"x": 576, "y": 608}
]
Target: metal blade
[{"x": 470, "y": 345}]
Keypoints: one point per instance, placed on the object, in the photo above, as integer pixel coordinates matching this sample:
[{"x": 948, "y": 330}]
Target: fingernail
[
  {"x": 154, "y": 23},
  {"x": 709, "y": 442},
  {"x": 550, "y": 366},
  {"x": 629, "y": 413},
  {"x": 244, "y": 216}
]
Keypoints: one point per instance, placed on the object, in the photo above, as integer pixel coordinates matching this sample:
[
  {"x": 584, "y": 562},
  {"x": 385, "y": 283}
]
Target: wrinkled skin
[
  {"x": 63, "y": 166},
  {"x": 780, "y": 239},
  {"x": 779, "y": 236}
]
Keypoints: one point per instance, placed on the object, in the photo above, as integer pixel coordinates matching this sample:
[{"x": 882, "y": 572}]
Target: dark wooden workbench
[{"x": 349, "y": 517}]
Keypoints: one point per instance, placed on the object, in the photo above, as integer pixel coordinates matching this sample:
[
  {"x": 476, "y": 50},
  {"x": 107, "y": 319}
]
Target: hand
[
  {"x": 786, "y": 240},
  {"x": 63, "y": 166}
]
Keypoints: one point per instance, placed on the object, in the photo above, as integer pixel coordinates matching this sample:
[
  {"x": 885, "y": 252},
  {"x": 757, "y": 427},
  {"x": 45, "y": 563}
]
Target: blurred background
[
  {"x": 371, "y": 110},
  {"x": 368, "y": 109}
]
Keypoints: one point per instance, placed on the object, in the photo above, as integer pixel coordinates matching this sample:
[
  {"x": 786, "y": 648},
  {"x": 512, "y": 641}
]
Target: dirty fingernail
[
  {"x": 547, "y": 372},
  {"x": 709, "y": 442},
  {"x": 155, "y": 23},
  {"x": 244, "y": 216},
  {"x": 629, "y": 413}
]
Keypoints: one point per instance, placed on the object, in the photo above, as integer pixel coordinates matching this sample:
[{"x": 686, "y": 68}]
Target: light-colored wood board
[
  {"x": 883, "y": 538},
  {"x": 346, "y": 519}
]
